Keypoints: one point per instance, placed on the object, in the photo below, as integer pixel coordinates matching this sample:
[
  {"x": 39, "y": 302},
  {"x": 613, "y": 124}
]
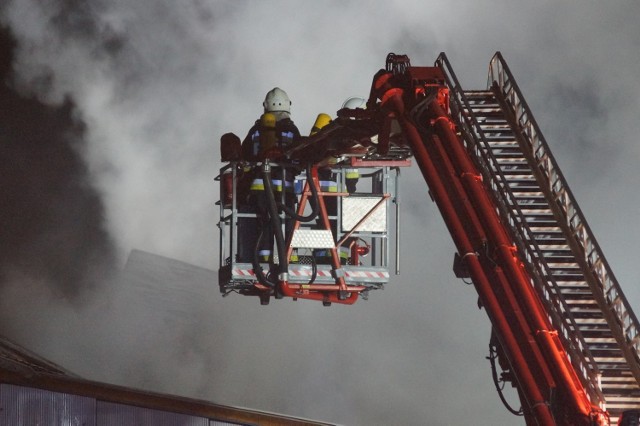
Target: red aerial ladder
[{"x": 563, "y": 334}]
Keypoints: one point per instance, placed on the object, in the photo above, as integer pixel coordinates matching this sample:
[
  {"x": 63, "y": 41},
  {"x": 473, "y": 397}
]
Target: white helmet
[
  {"x": 355, "y": 102},
  {"x": 277, "y": 101}
]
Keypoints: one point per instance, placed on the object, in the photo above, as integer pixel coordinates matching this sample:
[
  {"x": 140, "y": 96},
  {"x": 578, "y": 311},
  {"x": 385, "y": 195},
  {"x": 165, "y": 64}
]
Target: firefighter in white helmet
[
  {"x": 277, "y": 115},
  {"x": 269, "y": 137},
  {"x": 355, "y": 102},
  {"x": 329, "y": 184},
  {"x": 351, "y": 177}
]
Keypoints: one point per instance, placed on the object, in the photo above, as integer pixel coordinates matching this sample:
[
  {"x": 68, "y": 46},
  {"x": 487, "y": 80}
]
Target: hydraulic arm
[{"x": 417, "y": 99}]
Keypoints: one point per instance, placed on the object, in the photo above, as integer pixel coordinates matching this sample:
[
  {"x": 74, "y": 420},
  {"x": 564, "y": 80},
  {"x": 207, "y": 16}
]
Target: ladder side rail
[
  {"x": 593, "y": 255},
  {"x": 233, "y": 226},
  {"x": 380, "y": 186},
  {"x": 577, "y": 350},
  {"x": 226, "y": 222},
  {"x": 558, "y": 310},
  {"x": 221, "y": 221}
]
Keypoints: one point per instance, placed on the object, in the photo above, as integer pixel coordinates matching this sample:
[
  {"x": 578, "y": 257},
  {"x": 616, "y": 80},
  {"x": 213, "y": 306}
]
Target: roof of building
[{"x": 23, "y": 368}]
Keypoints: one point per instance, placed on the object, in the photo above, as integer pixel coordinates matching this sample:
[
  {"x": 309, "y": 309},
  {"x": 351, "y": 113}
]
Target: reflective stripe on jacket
[
  {"x": 328, "y": 186},
  {"x": 344, "y": 253},
  {"x": 352, "y": 174},
  {"x": 286, "y": 133},
  {"x": 258, "y": 185}
]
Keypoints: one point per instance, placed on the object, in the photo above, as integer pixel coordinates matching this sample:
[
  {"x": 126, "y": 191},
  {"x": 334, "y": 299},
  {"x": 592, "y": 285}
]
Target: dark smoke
[{"x": 52, "y": 219}]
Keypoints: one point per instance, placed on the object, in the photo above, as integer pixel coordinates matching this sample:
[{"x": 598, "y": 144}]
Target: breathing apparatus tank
[
  {"x": 321, "y": 121},
  {"x": 268, "y": 139}
]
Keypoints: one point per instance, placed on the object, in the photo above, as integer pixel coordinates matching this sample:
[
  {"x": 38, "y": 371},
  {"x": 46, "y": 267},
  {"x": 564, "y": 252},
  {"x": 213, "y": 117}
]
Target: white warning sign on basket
[
  {"x": 312, "y": 238},
  {"x": 355, "y": 209}
]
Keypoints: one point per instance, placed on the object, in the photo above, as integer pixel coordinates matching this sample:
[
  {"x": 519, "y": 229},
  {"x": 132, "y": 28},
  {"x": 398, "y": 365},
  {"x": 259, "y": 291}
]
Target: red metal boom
[{"x": 549, "y": 387}]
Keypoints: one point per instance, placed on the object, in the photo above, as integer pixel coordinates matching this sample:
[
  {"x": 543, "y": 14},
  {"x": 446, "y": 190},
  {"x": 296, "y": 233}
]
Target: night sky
[{"x": 110, "y": 116}]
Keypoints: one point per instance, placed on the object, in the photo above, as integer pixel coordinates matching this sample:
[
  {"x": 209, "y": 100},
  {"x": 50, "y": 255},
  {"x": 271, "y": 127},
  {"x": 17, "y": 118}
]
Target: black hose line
[
  {"x": 314, "y": 270},
  {"x": 315, "y": 206},
  {"x": 257, "y": 268},
  {"x": 273, "y": 211},
  {"x": 496, "y": 381},
  {"x": 276, "y": 224}
]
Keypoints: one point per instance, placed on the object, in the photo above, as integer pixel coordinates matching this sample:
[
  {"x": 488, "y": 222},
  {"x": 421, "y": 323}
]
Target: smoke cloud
[
  {"x": 53, "y": 225},
  {"x": 110, "y": 119}
]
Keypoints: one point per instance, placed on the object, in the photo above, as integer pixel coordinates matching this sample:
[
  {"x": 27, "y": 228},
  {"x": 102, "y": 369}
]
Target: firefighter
[
  {"x": 353, "y": 175},
  {"x": 277, "y": 114},
  {"x": 328, "y": 184},
  {"x": 269, "y": 137}
]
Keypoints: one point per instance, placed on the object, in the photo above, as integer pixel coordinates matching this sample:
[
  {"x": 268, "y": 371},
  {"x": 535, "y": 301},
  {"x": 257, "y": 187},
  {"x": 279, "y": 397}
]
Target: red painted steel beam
[
  {"x": 469, "y": 217},
  {"x": 532, "y": 347},
  {"x": 518, "y": 279},
  {"x": 517, "y": 358},
  {"x": 486, "y": 292},
  {"x": 338, "y": 293}
]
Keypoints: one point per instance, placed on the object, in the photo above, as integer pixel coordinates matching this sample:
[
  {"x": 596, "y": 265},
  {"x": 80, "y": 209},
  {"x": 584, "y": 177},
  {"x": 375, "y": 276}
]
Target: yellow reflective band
[
  {"x": 277, "y": 184},
  {"x": 328, "y": 186},
  {"x": 258, "y": 185},
  {"x": 344, "y": 253}
]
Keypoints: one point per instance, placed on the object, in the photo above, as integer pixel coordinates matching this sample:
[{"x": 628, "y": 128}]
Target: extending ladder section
[{"x": 584, "y": 302}]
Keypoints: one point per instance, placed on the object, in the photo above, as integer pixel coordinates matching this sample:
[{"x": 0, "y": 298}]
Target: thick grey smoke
[
  {"x": 149, "y": 86},
  {"x": 53, "y": 224}
]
